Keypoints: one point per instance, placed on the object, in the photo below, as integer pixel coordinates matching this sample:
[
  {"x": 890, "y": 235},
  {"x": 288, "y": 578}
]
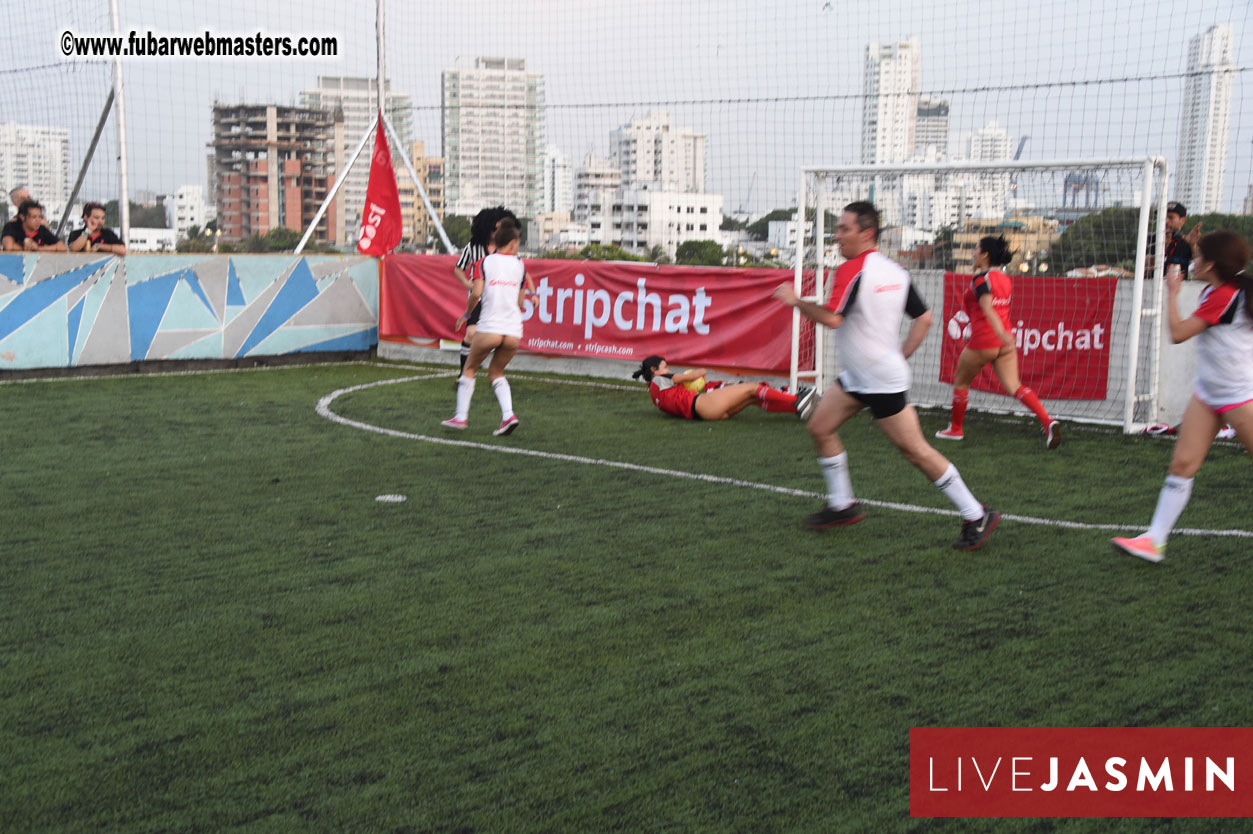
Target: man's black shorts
[{"x": 881, "y": 406}]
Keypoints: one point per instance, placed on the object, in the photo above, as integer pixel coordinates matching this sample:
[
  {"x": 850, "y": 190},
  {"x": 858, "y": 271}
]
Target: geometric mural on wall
[{"x": 72, "y": 310}]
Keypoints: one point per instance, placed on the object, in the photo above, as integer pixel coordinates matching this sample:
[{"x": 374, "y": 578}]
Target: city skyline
[{"x": 1098, "y": 82}]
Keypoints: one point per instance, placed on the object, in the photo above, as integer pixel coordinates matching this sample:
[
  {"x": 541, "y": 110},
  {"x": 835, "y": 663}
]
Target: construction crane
[
  {"x": 1013, "y": 178},
  {"x": 741, "y": 213}
]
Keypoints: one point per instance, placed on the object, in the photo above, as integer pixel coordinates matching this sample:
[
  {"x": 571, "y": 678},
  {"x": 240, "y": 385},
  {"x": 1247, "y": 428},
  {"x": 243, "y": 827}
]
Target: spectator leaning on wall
[{"x": 28, "y": 233}]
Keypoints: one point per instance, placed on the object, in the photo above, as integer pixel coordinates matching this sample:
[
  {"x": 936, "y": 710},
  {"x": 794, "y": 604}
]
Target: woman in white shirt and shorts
[{"x": 500, "y": 286}]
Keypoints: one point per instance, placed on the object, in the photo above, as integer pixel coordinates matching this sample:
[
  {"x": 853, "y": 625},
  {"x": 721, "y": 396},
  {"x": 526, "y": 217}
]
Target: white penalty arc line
[{"x": 324, "y": 409}]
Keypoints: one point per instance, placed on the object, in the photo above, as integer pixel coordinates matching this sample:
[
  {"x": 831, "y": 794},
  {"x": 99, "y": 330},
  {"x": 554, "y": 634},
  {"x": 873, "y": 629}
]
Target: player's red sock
[
  {"x": 772, "y": 400},
  {"x": 1028, "y": 398},
  {"x": 960, "y": 397}
]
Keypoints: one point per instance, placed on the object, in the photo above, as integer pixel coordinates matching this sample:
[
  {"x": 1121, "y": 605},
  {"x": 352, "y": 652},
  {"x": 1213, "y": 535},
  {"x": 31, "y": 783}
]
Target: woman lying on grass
[{"x": 670, "y": 394}]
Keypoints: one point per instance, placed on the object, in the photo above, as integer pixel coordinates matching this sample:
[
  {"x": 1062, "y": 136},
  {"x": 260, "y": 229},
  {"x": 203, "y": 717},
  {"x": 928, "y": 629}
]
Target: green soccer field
[{"x": 210, "y": 624}]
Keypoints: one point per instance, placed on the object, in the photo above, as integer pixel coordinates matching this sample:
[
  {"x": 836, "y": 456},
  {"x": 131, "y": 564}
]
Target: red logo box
[{"x": 1081, "y": 771}]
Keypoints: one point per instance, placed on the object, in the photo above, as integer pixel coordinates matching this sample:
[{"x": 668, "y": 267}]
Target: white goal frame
[{"x": 1141, "y": 401}]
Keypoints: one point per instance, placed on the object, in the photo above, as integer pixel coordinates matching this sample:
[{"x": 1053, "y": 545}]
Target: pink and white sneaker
[
  {"x": 949, "y": 434},
  {"x": 507, "y": 426},
  {"x": 454, "y": 423},
  {"x": 1141, "y": 546}
]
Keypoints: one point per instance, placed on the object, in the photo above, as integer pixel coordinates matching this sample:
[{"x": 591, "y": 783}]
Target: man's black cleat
[
  {"x": 806, "y": 399},
  {"x": 975, "y": 533},
  {"x": 829, "y": 517}
]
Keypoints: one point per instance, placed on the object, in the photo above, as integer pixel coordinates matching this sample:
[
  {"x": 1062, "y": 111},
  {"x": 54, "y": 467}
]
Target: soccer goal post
[{"x": 1088, "y": 243}]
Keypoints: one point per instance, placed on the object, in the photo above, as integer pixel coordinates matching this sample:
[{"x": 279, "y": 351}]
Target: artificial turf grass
[{"x": 626, "y": 652}]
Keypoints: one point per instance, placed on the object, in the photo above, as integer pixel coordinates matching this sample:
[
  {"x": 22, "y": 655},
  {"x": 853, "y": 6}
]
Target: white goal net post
[{"x": 1089, "y": 244}]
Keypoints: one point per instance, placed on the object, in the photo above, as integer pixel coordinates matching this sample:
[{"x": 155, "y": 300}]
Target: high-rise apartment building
[
  {"x": 418, "y": 225},
  {"x": 558, "y": 183},
  {"x": 1205, "y": 120},
  {"x": 273, "y": 166},
  {"x": 37, "y": 157},
  {"x": 890, "y": 105},
  {"x": 492, "y": 129},
  {"x": 187, "y": 208},
  {"x": 358, "y": 100},
  {"x": 649, "y": 150},
  {"x": 990, "y": 143},
  {"x": 931, "y": 129}
]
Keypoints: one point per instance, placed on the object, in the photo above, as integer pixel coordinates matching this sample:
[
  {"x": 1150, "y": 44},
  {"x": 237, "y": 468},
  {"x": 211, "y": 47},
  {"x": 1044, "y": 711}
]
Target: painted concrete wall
[{"x": 74, "y": 310}]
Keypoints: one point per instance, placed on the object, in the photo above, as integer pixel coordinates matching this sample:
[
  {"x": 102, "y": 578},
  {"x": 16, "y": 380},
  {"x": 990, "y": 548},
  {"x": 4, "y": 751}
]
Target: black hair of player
[
  {"x": 648, "y": 368},
  {"x": 867, "y": 216},
  {"x": 997, "y": 249}
]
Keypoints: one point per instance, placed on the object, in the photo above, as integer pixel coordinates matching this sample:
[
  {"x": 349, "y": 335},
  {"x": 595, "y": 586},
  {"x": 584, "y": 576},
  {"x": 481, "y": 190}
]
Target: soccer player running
[
  {"x": 499, "y": 287},
  {"x": 986, "y": 302},
  {"x": 1223, "y": 391},
  {"x": 670, "y": 395},
  {"x": 869, "y": 299}
]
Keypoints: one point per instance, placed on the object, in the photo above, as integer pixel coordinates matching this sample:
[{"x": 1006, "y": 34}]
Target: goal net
[{"x": 1088, "y": 259}]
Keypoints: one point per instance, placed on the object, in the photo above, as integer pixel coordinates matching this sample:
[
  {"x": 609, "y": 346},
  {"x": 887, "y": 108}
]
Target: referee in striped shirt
[{"x": 482, "y": 227}]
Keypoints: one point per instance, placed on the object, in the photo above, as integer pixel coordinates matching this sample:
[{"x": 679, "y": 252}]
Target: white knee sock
[
  {"x": 1170, "y": 503},
  {"x": 504, "y": 396},
  {"x": 465, "y": 390},
  {"x": 839, "y": 484},
  {"x": 955, "y": 489}
]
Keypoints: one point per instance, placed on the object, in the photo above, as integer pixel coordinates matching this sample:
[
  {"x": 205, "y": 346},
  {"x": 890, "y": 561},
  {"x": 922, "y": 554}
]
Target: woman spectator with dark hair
[
  {"x": 1223, "y": 391},
  {"x": 986, "y": 303},
  {"x": 95, "y": 236}
]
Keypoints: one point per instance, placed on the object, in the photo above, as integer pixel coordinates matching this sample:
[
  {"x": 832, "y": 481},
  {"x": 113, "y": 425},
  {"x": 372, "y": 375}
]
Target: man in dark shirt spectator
[
  {"x": 95, "y": 236},
  {"x": 1178, "y": 245},
  {"x": 28, "y": 233}
]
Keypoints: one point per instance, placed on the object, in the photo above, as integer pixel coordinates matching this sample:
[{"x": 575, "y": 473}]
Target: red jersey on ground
[
  {"x": 671, "y": 398},
  {"x": 1001, "y": 288}
]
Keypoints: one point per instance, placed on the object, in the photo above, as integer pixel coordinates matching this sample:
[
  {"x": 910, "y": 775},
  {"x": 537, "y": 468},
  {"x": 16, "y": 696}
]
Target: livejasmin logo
[
  {"x": 1023, "y": 774},
  {"x": 1080, "y": 772},
  {"x": 1028, "y": 339}
]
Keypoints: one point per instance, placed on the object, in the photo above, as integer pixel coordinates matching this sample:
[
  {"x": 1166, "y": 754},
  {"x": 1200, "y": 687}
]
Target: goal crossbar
[{"x": 1140, "y": 397}]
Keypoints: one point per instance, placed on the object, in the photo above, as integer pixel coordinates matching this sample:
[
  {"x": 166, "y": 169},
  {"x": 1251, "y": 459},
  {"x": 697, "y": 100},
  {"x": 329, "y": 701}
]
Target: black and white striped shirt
[{"x": 472, "y": 254}]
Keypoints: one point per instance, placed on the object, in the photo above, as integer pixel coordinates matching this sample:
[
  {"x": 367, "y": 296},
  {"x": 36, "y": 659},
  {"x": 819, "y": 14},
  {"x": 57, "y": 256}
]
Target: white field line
[{"x": 324, "y": 409}]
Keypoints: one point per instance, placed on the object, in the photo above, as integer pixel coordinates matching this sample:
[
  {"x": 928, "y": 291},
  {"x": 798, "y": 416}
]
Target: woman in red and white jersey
[
  {"x": 1223, "y": 392},
  {"x": 671, "y": 396},
  {"x": 986, "y": 305}
]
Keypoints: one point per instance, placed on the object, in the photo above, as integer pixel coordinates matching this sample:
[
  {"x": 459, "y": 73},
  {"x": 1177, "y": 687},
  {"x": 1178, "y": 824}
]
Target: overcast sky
[{"x": 774, "y": 85}]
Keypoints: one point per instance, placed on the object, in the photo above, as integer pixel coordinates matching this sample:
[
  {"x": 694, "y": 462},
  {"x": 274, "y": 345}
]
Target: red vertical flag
[{"x": 381, "y": 223}]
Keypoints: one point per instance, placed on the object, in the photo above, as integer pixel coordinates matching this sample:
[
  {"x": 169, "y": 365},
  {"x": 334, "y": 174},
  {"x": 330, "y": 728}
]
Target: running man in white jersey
[
  {"x": 499, "y": 286},
  {"x": 870, "y": 297},
  {"x": 1223, "y": 328}
]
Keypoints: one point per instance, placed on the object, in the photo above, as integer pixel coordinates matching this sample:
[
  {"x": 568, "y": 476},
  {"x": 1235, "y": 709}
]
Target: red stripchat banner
[
  {"x": 1061, "y": 327},
  {"x": 609, "y": 310},
  {"x": 1081, "y": 771}
]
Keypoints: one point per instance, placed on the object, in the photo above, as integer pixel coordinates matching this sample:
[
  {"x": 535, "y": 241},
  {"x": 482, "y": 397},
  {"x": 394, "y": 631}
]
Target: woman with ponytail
[
  {"x": 991, "y": 341},
  {"x": 1223, "y": 391},
  {"x": 669, "y": 394}
]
